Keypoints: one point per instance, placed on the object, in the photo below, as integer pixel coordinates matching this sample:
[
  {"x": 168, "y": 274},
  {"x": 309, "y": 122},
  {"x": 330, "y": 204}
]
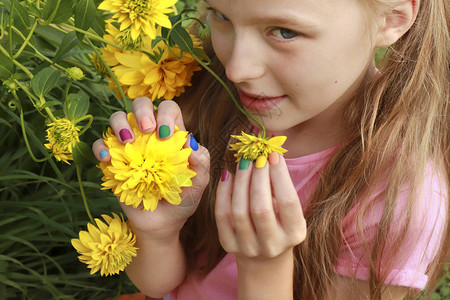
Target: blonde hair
[{"x": 399, "y": 122}]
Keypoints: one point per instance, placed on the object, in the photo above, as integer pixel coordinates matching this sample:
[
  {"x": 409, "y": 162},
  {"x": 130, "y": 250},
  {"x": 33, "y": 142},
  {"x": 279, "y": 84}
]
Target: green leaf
[
  {"x": 4, "y": 17},
  {"x": 77, "y": 106},
  {"x": 45, "y": 80},
  {"x": 156, "y": 41},
  {"x": 67, "y": 44},
  {"x": 20, "y": 14},
  {"x": 83, "y": 154},
  {"x": 181, "y": 37},
  {"x": 84, "y": 15},
  {"x": 63, "y": 13},
  {"x": 200, "y": 53},
  {"x": 7, "y": 67}
]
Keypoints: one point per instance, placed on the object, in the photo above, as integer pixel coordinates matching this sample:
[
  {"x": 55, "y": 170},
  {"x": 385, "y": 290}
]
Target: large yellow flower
[
  {"x": 106, "y": 247},
  {"x": 147, "y": 170},
  {"x": 165, "y": 79},
  {"x": 62, "y": 136},
  {"x": 251, "y": 146},
  {"x": 140, "y": 15}
]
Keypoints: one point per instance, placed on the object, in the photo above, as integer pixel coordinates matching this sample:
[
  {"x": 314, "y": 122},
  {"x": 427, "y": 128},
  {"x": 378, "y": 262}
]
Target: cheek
[{"x": 222, "y": 45}]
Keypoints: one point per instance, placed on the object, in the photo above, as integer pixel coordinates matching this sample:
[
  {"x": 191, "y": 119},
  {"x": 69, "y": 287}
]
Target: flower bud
[{"x": 75, "y": 73}]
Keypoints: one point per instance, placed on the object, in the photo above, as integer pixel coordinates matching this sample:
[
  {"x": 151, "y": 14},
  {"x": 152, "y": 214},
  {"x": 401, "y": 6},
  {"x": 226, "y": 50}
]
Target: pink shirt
[{"x": 429, "y": 218}]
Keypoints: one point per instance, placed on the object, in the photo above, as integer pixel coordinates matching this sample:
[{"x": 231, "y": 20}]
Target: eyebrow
[{"x": 288, "y": 19}]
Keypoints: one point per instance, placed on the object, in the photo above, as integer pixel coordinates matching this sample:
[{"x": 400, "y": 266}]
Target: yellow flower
[
  {"x": 251, "y": 146},
  {"x": 147, "y": 170},
  {"x": 98, "y": 65},
  {"x": 106, "y": 247},
  {"x": 166, "y": 79},
  {"x": 140, "y": 15},
  {"x": 62, "y": 136}
]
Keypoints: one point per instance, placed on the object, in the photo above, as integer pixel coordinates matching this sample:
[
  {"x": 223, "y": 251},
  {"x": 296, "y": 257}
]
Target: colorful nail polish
[
  {"x": 164, "y": 131},
  {"x": 225, "y": 174},
  {"x": 146, "y": 123},
  {"x": 243, "y": 163},
  {"x": 103, "y": 153},
  {"x": 274, "y": 158},
  {"x": 125, "y": 134},
  {"x": 193, "y": 143},
  {"x": 260, "y": 162}
]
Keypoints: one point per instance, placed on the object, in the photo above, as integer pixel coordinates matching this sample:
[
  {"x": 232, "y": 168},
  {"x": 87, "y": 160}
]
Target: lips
[{"x": 260, "y": 103}]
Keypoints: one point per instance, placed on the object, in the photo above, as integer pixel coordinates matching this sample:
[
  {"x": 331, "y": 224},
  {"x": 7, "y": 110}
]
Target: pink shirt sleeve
[{"x": 412, "y": 257}]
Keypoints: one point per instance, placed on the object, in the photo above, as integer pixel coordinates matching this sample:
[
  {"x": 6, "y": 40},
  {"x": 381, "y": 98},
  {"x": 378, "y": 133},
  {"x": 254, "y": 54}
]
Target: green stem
[
  {"x": 32, "y": 97},
  {"x": 230, "y": 93},
  {"x": 10, "y": 27},
  {"x": 30, "y": 34},
  {"x": 89, "y": 34},
  {"x": 91, "y": 119},
  {"x": 52, "y": 16},
  {"x": 83, "y": 195},
  {"x": 125, "y": 104},
  {"x": 24, "y": 133},
  {"x": 38, "y": 52},
  {"x": 18, "y": 64}
]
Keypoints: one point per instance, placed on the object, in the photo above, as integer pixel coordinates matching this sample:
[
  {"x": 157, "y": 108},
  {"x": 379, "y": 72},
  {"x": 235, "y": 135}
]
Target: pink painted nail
[
  {"x": 146, "y": 123},
  {"x": 225, "y": 175},
  {"x": 125, "y": 134}
]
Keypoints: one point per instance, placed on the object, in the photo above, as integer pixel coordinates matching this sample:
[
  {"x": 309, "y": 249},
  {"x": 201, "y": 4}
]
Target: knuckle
[
  {"x": 271, "y": 251},
  {"x": 289, "y": 203},
  {"x": 261, "y": 214},
  {"x": 239, "y": 217},
  {"x": 116, "y": 115}
]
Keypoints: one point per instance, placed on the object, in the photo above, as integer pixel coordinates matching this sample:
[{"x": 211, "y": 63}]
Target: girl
[{"x": 358, "y": 207}]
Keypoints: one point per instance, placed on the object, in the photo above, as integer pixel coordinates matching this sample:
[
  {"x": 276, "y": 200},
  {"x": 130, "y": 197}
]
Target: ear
[{"x": 397, "y": 22}]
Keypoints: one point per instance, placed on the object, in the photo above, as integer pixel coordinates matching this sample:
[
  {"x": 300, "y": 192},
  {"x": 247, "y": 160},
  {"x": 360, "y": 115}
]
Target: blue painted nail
[
  {"x": 103, "y": 153},
  {"x": 193, "y": 143}
]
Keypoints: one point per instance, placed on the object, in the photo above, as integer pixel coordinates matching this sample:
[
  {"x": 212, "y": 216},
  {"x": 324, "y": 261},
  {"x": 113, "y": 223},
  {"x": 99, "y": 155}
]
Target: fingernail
[
  {"x": 164, "y": 131},
  {"x": 193, "y": 143},
  {"x": 103, "y": 153},
  {"x": 225, "y": 175},
  {"x": 146, "y": 123},
  {"x": 243, "y": 163},
  {"x": 274, "y": 158},
  {"x": 125, "y": 135},
  {"x": 260, "y": 162}
]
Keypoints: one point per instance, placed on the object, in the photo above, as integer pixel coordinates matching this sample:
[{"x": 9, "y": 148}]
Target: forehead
[{"x": 265, "y": 10}]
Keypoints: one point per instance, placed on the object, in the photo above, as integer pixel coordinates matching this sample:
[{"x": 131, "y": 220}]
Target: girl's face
[{"x": 304, "y": 58}]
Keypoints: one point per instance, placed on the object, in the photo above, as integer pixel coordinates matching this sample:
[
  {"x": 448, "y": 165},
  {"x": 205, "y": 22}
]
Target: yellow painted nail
[{"x": 260, "y": 162}]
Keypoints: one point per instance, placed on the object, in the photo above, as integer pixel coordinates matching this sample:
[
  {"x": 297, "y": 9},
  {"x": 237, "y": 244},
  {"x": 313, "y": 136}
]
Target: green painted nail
[
  {"x": 243, "y": 163},
  {"x": 164, "y": 131}
]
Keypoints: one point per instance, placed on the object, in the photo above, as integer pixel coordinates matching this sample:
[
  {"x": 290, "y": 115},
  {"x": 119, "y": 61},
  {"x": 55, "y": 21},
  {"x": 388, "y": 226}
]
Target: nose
[{"x": 246, "y": 61}]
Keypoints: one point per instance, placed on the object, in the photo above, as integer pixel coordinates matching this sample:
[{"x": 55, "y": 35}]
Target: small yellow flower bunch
[
  {"x": 62, "y": 136},
  {"x": 106, "y": 246},
  {"x": 251, "y": 147},
  {"x": 148, "y": 170},
  {"x": 154, "y": 53}
]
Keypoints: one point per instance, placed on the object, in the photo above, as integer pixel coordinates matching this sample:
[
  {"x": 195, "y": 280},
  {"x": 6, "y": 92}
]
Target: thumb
[{"x": 199, "y": 162}]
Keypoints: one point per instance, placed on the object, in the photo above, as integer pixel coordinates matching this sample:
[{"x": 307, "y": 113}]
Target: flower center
[{"x": 138, "y": 8}]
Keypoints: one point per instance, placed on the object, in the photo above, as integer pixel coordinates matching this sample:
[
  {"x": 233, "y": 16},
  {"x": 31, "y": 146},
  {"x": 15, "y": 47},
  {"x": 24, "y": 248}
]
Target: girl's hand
[
  {"x": 258, "y": 213},
  {"x": 166, "y": 221}
]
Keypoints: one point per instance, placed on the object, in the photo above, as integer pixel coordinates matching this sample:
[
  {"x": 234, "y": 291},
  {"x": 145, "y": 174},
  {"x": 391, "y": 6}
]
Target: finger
[
  {"x": 169, "y": 115},
  {"x": 290, "y": 210},
  {"x": 101, "y": 151},
  {"x": 225, "y": 228},
  {"x": 143, "y": 111},
  {"x": 261, "y": 207},
  {"x": 245, "y": 232},
  {"x": 199, "y": 162},
  {"x": 119, "y": 124}
]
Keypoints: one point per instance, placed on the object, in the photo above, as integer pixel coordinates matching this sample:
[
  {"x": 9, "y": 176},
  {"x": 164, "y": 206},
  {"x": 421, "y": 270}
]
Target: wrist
[{"x": 266, "y": 278}]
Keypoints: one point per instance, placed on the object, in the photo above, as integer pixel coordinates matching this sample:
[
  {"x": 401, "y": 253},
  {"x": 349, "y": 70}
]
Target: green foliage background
[{"x": 41, "y": 205}]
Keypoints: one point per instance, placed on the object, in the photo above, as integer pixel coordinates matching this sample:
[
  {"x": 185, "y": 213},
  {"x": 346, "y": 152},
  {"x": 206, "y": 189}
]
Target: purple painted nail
[{"x": 125, "y": 134}]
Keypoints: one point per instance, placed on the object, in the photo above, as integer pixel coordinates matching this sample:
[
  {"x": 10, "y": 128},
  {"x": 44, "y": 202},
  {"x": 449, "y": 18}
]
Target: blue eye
[{"x": 284, "y": 33}]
